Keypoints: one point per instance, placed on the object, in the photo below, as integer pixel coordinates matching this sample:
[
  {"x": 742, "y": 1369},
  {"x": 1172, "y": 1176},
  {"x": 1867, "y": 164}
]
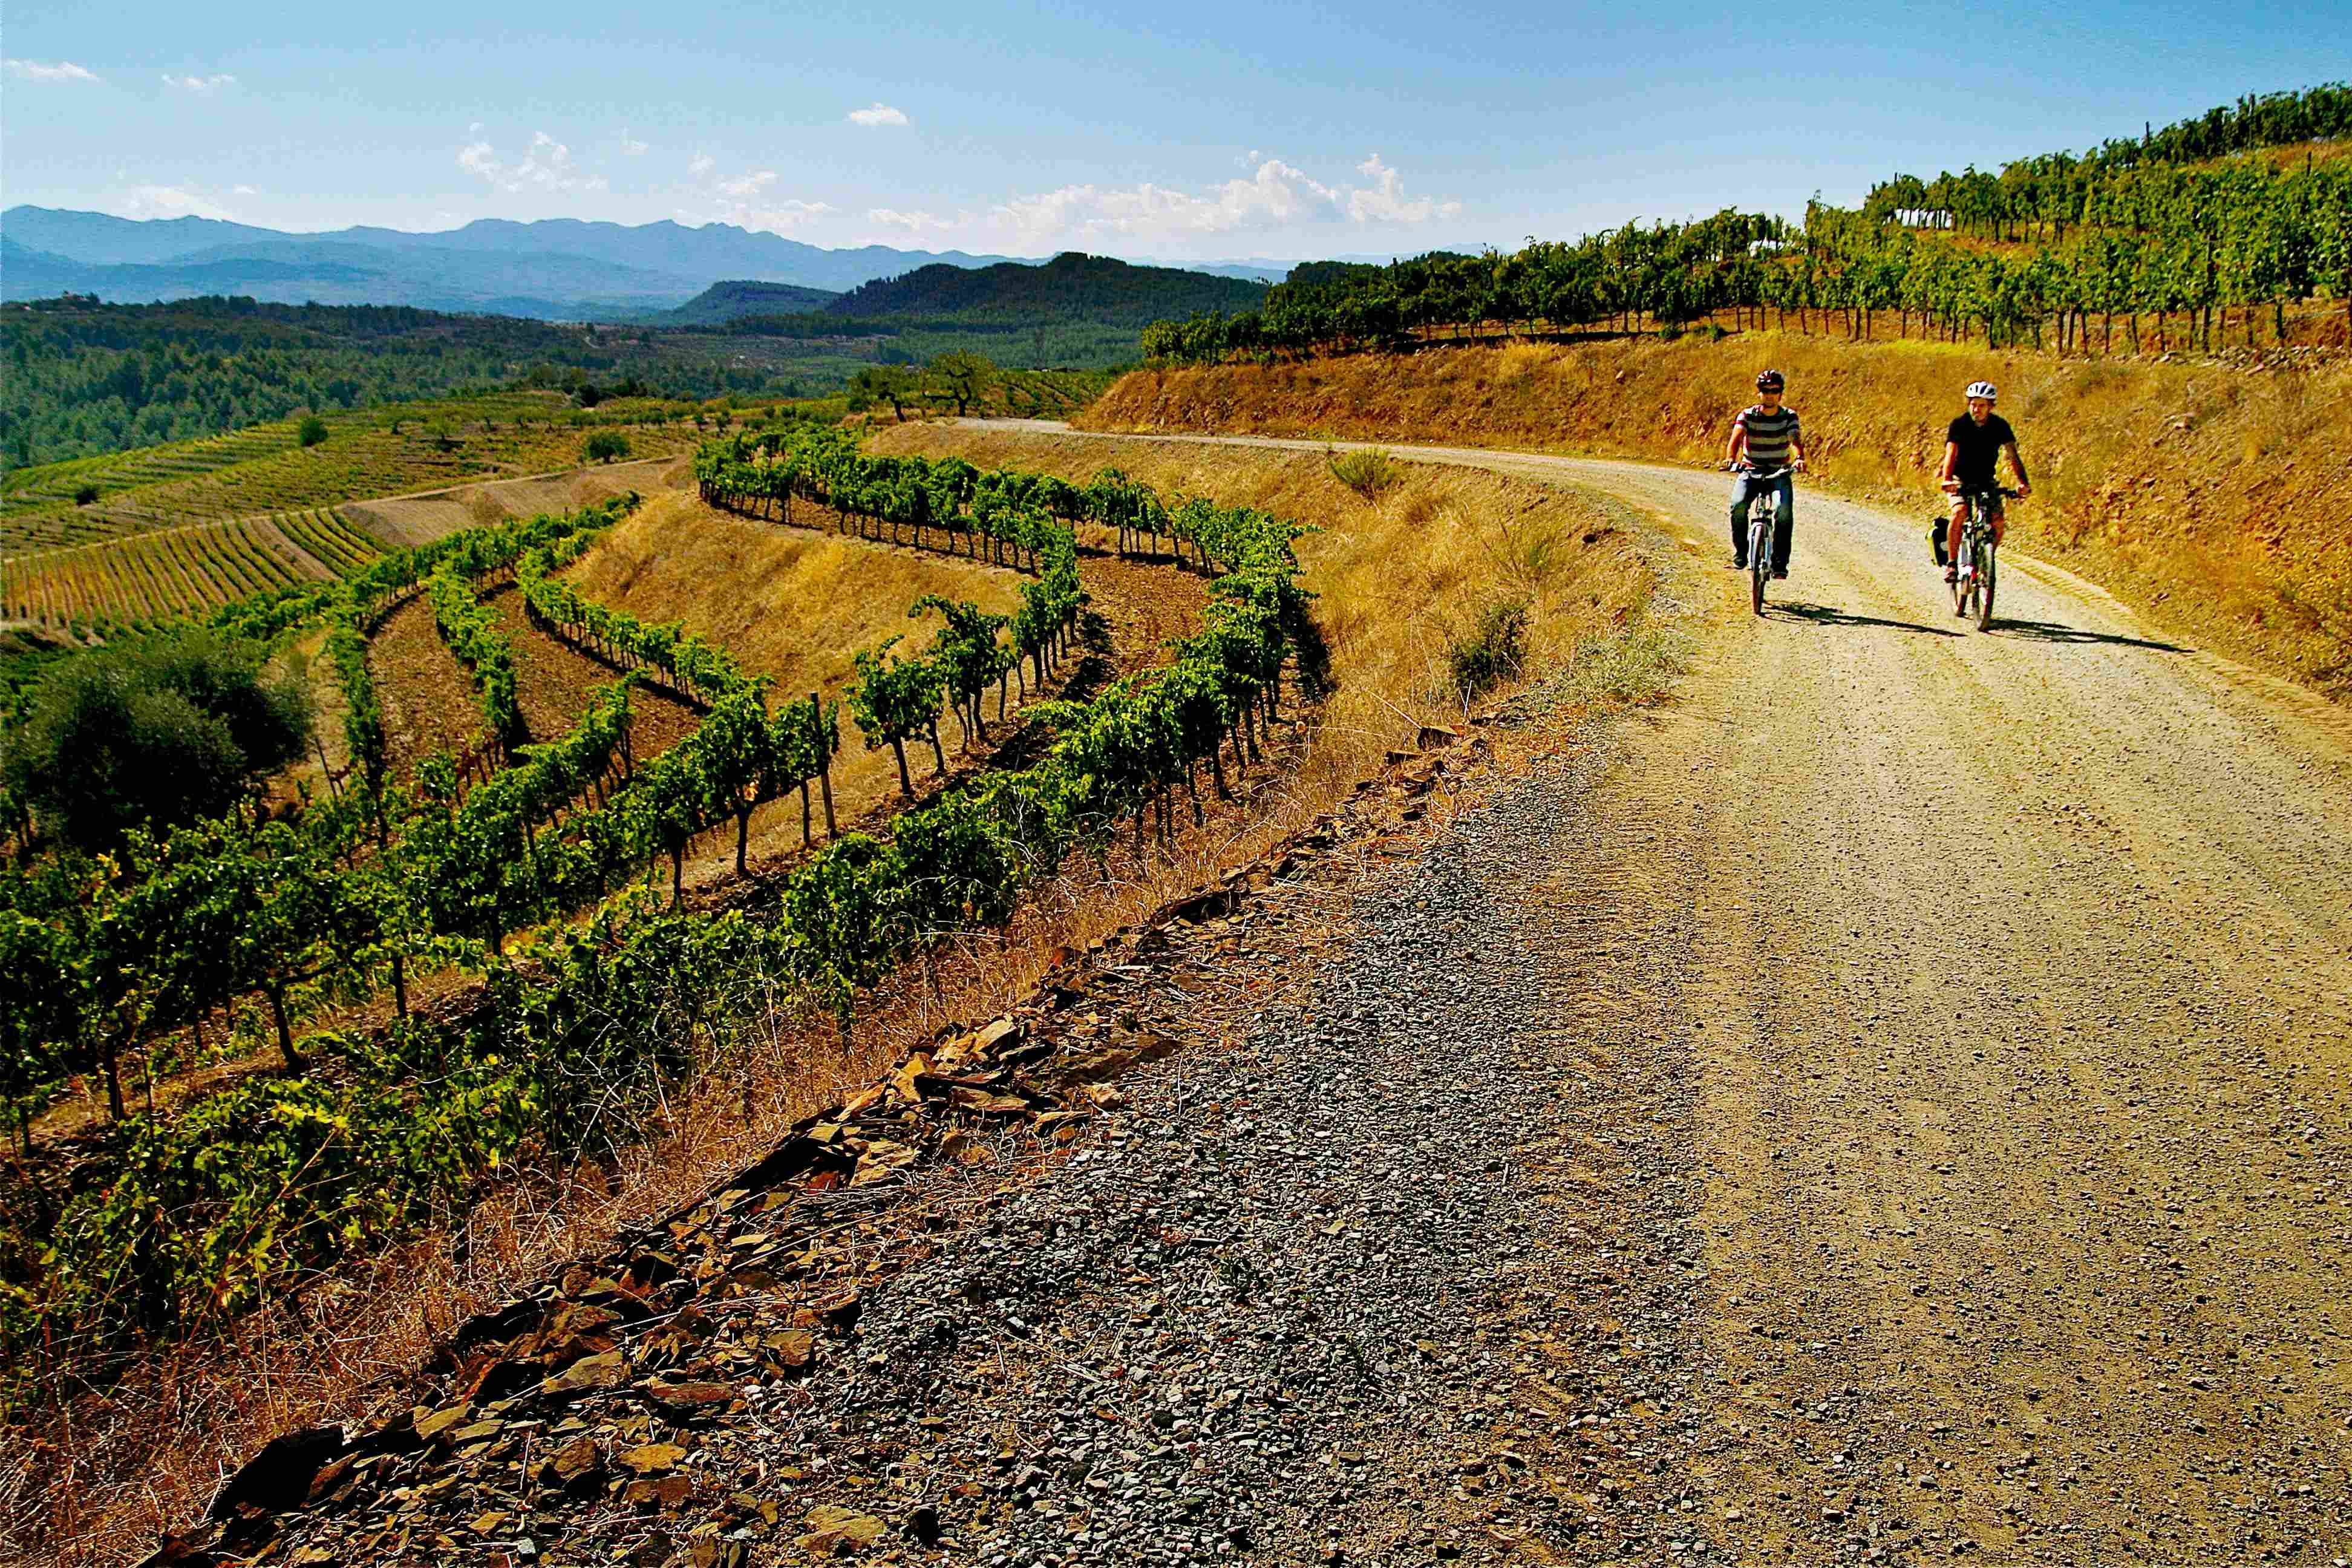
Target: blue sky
[{"x": 1188, "y": 131}]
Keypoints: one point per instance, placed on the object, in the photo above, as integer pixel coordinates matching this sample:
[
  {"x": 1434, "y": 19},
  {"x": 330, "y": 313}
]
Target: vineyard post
[{"x": 824, "y": 763}]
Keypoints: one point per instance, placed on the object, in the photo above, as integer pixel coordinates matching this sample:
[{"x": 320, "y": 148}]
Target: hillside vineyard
[
  {"x": 584, "y": 1023},
  {"x": 2084, "y": 240}
]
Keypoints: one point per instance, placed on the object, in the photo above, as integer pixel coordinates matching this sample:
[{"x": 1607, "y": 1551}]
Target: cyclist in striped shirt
[{"x": 1766, "y": 436}]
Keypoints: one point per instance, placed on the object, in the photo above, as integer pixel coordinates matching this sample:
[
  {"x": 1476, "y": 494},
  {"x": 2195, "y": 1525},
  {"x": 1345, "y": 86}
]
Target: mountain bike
[
  {"x": 1763, "y": 514},
  {"x": 1979, "y": 571}
]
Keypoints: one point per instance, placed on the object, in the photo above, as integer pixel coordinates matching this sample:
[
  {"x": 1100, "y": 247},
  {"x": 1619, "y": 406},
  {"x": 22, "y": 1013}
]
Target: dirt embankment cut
[
  {"x": 402, "y": 521},
  {"x": 2211, "y": 496},
  {"x": 1402, "y": 576}
]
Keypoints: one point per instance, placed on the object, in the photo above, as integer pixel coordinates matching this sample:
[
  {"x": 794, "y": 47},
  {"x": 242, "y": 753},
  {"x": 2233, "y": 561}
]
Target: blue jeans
[{"x": 1743, "y": 491}]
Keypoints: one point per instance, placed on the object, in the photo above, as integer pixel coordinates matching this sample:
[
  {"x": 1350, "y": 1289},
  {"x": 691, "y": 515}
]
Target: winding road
[{"x": 2001, "y": 989}]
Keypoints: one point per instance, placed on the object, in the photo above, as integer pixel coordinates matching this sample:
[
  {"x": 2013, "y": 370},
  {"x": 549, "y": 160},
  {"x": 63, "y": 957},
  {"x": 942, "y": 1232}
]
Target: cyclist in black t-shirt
[{"x": 1972, "y": 448}]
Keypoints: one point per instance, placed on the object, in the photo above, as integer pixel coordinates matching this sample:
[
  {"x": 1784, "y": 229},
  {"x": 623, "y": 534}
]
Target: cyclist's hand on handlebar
[
  {"x": 1798, "y": 466},
  {"x": 1951, "y": 486},
  {"x": 2023, "y": 490}
]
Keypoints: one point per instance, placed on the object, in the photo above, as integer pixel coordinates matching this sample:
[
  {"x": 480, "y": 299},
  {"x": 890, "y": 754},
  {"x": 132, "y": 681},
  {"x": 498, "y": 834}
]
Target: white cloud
[
  {"x": 202, "y": 85},
  {"x": 244, "y": 191},
  {"x": 747, "y": 201},
  {"x": 50, "y": 70},
  {"x": 547, "y": 166},
  {"x": 778, "y": 217},
  {"x": 912, "y": 222},
  {"x": 167, "y": 201},
  {"x": 1276, "y": 196},
  {"x": 631, "y": 147},
  {"x": 749, "y": 185},
  {"x": 1383, "y": 200},
  {"x": 880, "y": 114}
]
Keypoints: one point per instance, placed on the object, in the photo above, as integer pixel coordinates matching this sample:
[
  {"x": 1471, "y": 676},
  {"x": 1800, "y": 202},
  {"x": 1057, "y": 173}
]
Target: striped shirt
[{"x": 1769, "y": 434}]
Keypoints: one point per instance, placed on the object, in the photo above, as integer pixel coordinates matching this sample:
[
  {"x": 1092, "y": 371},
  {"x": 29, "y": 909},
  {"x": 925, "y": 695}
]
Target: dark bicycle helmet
[{"x": 1770, "y": 380}]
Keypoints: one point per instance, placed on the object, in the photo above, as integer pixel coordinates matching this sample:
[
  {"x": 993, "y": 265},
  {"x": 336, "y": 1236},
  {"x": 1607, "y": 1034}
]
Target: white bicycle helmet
[{"x": 1983, "y": 389}]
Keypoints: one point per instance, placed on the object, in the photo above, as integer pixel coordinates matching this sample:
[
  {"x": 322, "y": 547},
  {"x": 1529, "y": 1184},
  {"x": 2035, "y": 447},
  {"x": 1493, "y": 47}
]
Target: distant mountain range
[
  {"x": 553, "y": 270},
  {"x": 557, "y": 268}
]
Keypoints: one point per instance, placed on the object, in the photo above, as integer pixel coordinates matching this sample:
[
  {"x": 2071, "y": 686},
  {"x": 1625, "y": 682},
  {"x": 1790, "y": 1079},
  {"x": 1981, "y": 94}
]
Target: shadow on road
[
  {"x": 1830, "y": 616},
  {"x": 2051, "y": 631}
]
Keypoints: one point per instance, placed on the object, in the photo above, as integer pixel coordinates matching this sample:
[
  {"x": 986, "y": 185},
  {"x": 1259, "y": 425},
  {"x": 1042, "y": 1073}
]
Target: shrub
[
  {"x": 1493, "y": 650},
  {"x": 311, "y": 431},
  {"x": 85, "y": 495},
  {"x": 1366, "y": 473},
  {"x": 165, "y": 730},
  {"x": 604, "y": 446}
]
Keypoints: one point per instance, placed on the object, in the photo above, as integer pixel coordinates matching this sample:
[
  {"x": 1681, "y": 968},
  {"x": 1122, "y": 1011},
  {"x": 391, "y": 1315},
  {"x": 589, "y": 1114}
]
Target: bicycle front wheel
[
  {"x": 1985, "y": 581},
  {"x": 1760, "y": 546}
]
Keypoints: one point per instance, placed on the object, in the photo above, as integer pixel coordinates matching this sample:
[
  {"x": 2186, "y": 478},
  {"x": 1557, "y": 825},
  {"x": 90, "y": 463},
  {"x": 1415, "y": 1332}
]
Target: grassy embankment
[{"x": 2210, "y": 495}]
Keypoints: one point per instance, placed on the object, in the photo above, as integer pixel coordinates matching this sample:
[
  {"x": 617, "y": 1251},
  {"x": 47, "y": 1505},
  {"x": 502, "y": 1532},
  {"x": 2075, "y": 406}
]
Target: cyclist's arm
[
  {"x": 1739, "y": 444},
  {"x": 1951, "y": 460},
  {"x": 2024, "y": 485},
  {"x": 1796, "y": 448}
]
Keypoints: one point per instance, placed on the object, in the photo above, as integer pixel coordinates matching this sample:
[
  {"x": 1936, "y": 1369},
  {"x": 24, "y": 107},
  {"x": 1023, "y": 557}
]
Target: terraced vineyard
[
  {"x": 372, "y": 452},
  {"x": 330, "y": 539},
  {"x": 157, "y": 576},
  {"x": 48, "y": 490}
]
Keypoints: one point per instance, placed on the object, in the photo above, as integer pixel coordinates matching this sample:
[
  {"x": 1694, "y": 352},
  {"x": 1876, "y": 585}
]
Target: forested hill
[
  {"x": 737, "y": 298},
  {"x": 1071, "y": 287}
]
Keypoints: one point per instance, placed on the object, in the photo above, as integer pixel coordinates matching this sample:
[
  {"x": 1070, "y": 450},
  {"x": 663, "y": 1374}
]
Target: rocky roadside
[{"x": 1255, "y": 1236}]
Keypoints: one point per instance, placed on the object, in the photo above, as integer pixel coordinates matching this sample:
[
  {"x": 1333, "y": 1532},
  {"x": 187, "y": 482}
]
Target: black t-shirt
[{"x": 1979, "y": 445}]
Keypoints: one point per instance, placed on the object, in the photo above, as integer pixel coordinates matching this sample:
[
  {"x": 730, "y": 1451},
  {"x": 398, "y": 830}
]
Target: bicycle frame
[
  {"x": 1763, "y": 519},
  {"x": 1976, "y": 568}
]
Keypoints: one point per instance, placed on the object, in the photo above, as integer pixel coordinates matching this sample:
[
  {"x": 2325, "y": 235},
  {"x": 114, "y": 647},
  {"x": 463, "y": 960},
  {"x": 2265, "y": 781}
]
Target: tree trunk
[
  {"x": 939, "y": 754},
  {"x": 906, "y": 784},
  {"x": 276, "y": 994},
  {"x": 678, "y": 874},
  {"x": 109, "y": 1053},
  {"x": 743, "y": 839}
]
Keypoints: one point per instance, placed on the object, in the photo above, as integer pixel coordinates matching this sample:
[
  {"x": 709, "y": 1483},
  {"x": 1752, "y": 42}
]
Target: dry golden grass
[
  {"x": 2211, "y": 496},
  {"x": 793, "y": 603}
]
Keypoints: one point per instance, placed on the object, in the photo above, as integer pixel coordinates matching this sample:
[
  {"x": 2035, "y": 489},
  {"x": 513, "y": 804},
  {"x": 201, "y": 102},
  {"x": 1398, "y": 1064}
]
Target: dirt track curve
[{"x": 2011, "y": 977}]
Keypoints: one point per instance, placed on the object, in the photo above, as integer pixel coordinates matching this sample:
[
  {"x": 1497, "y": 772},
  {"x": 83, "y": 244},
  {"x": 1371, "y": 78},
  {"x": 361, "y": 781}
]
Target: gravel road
[{"x": 1987, "y": 1001}]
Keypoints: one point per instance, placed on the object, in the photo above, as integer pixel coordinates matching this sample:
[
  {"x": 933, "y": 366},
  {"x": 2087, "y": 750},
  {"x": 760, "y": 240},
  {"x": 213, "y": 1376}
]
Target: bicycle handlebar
[{"x": 1754, "y": 472}]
